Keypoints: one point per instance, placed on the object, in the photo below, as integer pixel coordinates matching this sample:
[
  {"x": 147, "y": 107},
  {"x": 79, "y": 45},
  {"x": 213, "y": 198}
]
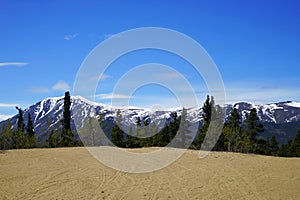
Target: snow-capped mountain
[
  {"x": 47, "y": 114},
  {"x": 282, "y": 112}
]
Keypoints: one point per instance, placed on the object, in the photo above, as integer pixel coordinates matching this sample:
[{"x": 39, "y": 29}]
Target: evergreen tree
[
  {"x": 216, "y": 136},
  {"x": 244, "y": 145},
  {"x": 149, "y": 129},
  {"x": 20, "y": 117},
  {"x": 18, "y": 139},
  {"x": 290, "y": 149},
  {"x": 184, "y": 130},
  {"x": 90, "y": 133},
  {"x": 153, "y": 129},
  {"x": 232, "y": 131},
  {"x": 67, "y": 137},
  {"x": 174, "y": 125},
  {"x": 296, "y": 144},
  {"x": 273, "y": 146},
  {"x": 162, "y": 138},
  {"x": 117, "y": 135},
  {"x": 131, "y": 141},
  {"x": 6, "y": 136},
  {"x": 207, "y": 109},
  {"x": 53, "y": 140},
  {"x": 206, "y": 116},
  {"x": 253, "y": 128},
  {"x": 30, "y": 134},
  {"x": 105, "y": 129}
]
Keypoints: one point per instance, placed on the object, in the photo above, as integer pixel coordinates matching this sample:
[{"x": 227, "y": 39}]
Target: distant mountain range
[{"x": 279, "y": 119}]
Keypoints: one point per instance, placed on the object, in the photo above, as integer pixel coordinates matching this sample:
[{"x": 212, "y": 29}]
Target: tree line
[
  {"x": 235, "y": 136},
  {"x": 23, "y": 136}
]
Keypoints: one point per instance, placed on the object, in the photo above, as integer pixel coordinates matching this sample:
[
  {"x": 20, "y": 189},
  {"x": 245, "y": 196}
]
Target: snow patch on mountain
[{"x": 47, "y": 114}]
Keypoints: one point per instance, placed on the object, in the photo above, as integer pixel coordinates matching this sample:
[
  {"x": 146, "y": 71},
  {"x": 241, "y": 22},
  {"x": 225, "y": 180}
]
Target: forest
[{"x": 236, "y": 136}]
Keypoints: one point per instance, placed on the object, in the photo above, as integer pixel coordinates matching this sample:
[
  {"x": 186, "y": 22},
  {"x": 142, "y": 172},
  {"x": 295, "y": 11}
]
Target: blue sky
[{"x": 255, "y": 44}]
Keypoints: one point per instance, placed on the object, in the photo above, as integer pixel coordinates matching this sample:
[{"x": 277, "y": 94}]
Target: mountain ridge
[{"x": 47, "y": 113}]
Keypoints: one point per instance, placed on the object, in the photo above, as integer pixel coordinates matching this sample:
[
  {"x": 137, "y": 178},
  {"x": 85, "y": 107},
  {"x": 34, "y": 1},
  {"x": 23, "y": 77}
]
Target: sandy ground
[{"x": 72, "y": 173}]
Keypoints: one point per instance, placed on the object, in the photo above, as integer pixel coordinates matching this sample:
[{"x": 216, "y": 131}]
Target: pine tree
[
  {"x": 117, "y": 135},
  {"x": 184, "y": 132},
  {"x": 18, "y": 139},
  {"x": 67, "y": 137},
  {"x": 89, "y": 134},
  {"x": 216, "y": 137},
  {"x": 253, "y": 128},
  {"x": 174, "y": 125},
  {"x": 296, "y": 144},
  {"x": 6, "y": 136},
  {"x": 232, "y": 130},
  {"x": 207, "y": 109},
  {"x": 53, "y": 140},
  {"x": 273, "y": 146},
  {"x": 130, "y": 140},
  {"x": 21, "y": 125},
  {"x": 30, "y": 134},
  {"x": 162, "y": 138},
  {"x": 153, "y": 129},
  {"x": 206, "y": 116}
]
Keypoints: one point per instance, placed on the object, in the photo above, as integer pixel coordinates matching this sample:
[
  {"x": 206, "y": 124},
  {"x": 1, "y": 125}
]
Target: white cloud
[
  {"x": 112, "y": 96},
  {"x": 61, "y": 85},
  {"x": 8, "y": 105},
  {"x": 70, "y": 37},
  {"x": 13, "y": 64},
  {"x": 101, "y": 77},
  {"x": 39, "y": 90},
  {"x": 4, "y": 117}
]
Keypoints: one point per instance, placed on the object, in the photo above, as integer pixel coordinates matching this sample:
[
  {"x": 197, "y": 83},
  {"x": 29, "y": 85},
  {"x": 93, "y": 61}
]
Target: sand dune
[{"x": 72, "y": 173}]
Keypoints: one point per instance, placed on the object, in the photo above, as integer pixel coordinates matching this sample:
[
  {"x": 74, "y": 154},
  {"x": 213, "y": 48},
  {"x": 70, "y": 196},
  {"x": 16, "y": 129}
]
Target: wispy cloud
[
  {"x": 39, "y": 90},
  {"x": 72, "y": 36},
  {"x": 61, "y": 85},
  {"x": 58, "y": 86},
  {"x": 4, "y": 117},
  {"x": 8, "y": 105},
  {"x": 101, "y": 77},
  {"x": 12, "y": 64},
  {"x": 112, "y": 96},
  {"x": 107, "y": 35}
]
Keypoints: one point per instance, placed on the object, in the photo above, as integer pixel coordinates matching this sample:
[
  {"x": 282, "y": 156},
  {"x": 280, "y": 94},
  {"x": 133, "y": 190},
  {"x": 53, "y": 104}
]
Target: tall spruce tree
[
  {"x": 174, "y": 125},
  {"x": 184, "y": 130},
  {"x": 206, "y": 117},
  {"x": 30, "y": 134},
  {"x": 232, "y": 130},
  {"x": 253, "y": 128},
  {"x": 67, "y": 137},
  {"x": 20, "y": 117},
  {"x": 117, "y": 135},
  {"x": 18, "y": 139}
]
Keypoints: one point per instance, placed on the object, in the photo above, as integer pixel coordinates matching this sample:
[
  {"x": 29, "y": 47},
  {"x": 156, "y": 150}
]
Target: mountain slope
[{"x": 279, "y": 118}]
